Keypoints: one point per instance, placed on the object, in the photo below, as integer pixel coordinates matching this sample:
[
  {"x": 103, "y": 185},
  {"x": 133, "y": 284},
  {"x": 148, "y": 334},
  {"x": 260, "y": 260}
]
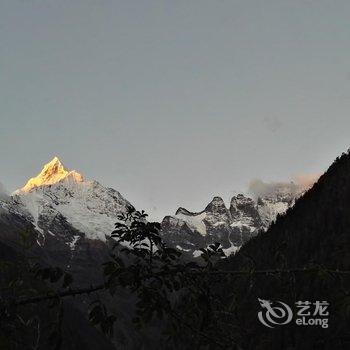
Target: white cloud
[{"x": 259, "y": 188}]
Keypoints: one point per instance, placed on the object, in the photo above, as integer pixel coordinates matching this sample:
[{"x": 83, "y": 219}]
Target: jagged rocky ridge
[{"x": 232, "y": 227}]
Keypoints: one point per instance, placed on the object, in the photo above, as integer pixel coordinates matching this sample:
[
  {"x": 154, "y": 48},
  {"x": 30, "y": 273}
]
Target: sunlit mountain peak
[{"x": 53, "y": 172}]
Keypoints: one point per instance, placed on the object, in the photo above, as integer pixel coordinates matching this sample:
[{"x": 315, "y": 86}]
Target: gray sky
[{"x": 172, "y": 102}]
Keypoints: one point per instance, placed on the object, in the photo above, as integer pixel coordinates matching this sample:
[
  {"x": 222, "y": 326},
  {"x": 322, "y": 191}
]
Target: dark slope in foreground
[
  {"x": 84, "y": 263},
  {"x": 77, "y": 331},
  {"x": 313, "y": 234}
]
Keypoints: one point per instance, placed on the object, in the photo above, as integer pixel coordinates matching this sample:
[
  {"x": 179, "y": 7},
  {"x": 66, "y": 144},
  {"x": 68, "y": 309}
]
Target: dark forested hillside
[
  {"x": 315, "y": 230},
  {"x": 313, "y": 234}
]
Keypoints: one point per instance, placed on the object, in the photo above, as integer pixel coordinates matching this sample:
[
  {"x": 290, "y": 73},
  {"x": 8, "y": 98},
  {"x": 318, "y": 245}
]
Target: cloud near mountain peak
[{"x": 299, "y": 183}]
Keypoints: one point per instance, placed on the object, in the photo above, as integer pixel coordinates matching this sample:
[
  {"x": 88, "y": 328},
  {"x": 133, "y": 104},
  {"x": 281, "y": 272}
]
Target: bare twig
[
  {"x": 59, "y": 294},
  {"x": 92, "y": 289}
]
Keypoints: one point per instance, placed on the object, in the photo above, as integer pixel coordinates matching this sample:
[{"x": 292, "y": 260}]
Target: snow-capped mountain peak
[
  {"x": 58, "y": 194},
  {"x": 52, "y": 173}
]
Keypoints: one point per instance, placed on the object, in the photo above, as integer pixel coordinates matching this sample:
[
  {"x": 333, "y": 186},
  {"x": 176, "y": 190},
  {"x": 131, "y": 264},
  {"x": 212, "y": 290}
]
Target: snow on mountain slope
[
  {"x": 195, "y": 222},
  {"x": 231, "y": 227},
  {"x": 56, "y": 192}
]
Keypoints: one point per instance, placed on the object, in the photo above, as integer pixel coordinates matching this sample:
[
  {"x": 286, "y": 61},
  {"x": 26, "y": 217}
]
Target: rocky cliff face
[{"x": 232, "y": 227}]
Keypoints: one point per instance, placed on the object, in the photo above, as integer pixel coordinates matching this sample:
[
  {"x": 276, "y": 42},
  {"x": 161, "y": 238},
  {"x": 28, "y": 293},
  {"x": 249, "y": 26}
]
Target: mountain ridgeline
[{"x": 61, "y": 203}]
